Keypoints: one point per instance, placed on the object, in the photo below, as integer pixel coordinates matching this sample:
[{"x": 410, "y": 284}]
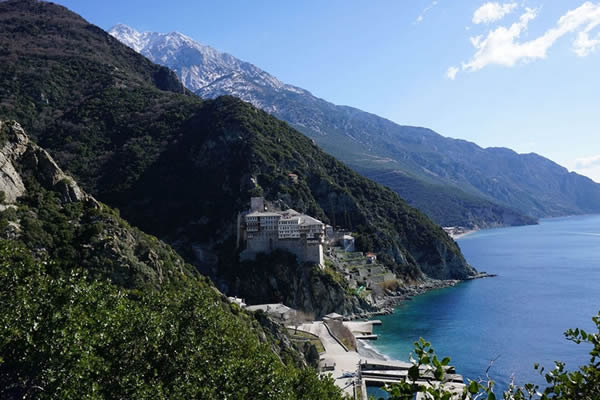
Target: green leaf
[
  {"x": 473, "y": 387},
  {"x": 413, "y": 372}
]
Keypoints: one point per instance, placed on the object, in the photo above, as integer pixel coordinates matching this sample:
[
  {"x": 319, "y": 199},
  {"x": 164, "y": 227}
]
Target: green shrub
[{"x": 70, "y": 337}]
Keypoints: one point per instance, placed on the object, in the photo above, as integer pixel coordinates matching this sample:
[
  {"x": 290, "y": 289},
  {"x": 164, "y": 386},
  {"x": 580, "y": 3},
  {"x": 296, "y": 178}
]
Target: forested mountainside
[
  {"x": 481, "y": 187},
  {"x": 182, "y": 168},
  {"x": 447, "y": 204},
  {"x": 92, "y": 307}
]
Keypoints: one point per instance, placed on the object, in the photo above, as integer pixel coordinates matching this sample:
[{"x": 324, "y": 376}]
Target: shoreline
[
  {"x": 457, "y": 236},
  {"x": 344, "y": 364},
  {"x": 373, "y": 350},
  {"x": 368, "y": 350},
  {"x": 388, "y": 303},
  {"x": 457, "y": 232}
]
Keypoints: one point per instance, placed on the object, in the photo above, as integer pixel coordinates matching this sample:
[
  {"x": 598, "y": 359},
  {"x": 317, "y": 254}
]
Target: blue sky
[{"x": 518, "y": 74}]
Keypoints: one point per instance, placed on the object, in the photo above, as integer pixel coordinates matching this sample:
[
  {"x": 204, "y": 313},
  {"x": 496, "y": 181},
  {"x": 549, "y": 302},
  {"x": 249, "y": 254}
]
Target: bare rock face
[
  {"x": 278, "y": 278},
  {"x": 16, "y": 151},
  {"x": 14, "y": 143}
]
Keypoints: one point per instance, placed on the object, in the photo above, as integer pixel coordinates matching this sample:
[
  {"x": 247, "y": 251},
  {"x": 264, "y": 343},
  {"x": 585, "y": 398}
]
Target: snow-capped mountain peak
[
  {"x": 129, "y": 36},
  {"x": 201, "y": 68}
]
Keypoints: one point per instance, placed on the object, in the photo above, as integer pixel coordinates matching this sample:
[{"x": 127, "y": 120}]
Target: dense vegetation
[
  {"x": 89, "y": 235},
  {"x": 52, "y": 216},
  {"x": 65, "y": 336},
  {"x": 91, "y": 307},
  {"x": 181, "y": 168},
  {"x": 447, "y": 205}
]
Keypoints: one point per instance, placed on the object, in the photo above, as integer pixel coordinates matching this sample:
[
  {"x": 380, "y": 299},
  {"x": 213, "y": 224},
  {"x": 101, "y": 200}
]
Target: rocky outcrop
[
  {"x": 89, "y": 235},
  {"x": 278, "y": 278},
  {"x": 14, "y": 145},
  {"x": 275, "y": 335},
  {"x": 18, "y": 153},
  {"x": 449, "y": 266}
]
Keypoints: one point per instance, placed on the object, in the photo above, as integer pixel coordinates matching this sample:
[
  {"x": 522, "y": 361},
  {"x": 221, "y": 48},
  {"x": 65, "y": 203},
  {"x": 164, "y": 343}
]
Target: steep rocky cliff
[
  {"x": 278, "y": 278},
  {"x": 139, "y": 262},
  {"x": 18, "y": 149},
  {"x": 49, "y": 212}
]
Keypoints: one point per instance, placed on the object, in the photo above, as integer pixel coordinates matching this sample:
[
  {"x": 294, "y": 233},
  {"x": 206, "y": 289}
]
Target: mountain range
[
  {"x": 454, "y": 181},
  {"x": 182, "y": 168}
]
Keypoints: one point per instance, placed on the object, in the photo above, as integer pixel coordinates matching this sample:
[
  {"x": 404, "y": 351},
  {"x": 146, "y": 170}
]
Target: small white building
[
  {"x": 371, "y": 258},
  {"x": 239, "y": 301},
  {"x": 278, "y": 311}
]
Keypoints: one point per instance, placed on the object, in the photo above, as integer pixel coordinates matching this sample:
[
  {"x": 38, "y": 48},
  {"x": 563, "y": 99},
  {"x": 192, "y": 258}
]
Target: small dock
[{"x": 366, "y": 337}]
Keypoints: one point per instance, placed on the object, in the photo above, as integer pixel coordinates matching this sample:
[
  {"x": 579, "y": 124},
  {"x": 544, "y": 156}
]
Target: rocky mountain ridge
[
  {"x": 482, "y": 187},
  {"x": 207, "y": 67}
]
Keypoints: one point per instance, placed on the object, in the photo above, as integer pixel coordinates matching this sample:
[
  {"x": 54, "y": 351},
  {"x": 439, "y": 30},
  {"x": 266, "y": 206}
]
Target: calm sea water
[{"x": 548, "y": 281}]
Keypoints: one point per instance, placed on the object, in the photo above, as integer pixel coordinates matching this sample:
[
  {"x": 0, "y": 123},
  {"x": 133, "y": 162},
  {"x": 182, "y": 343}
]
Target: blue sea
[{"x": 548, "y": 281}]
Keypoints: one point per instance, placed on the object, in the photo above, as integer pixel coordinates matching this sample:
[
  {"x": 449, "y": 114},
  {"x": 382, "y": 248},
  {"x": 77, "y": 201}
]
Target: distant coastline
[
  {"x": 463, "y": 234},
  {"x": 457, "y": 232}
]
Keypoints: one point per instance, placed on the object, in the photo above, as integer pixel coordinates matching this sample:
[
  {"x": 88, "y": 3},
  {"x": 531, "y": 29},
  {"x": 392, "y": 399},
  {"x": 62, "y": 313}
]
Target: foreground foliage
[
  {"x": 428, "y": 376},
  {"x": 69, "y": 337}
]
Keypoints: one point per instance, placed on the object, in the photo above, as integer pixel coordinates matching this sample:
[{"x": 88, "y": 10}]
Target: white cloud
[
  {"x": 451, "y": 73},
  {"x": 588, "y": 166},
  {"x": 425, "y": 11},
  {"x": 583, "y": 45},
  {"x": 587, "y": 162},
  {"x": 501, "y": 46},
  {"x": 492, "y": 11},
  {"x": 592, "y": 173}
]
